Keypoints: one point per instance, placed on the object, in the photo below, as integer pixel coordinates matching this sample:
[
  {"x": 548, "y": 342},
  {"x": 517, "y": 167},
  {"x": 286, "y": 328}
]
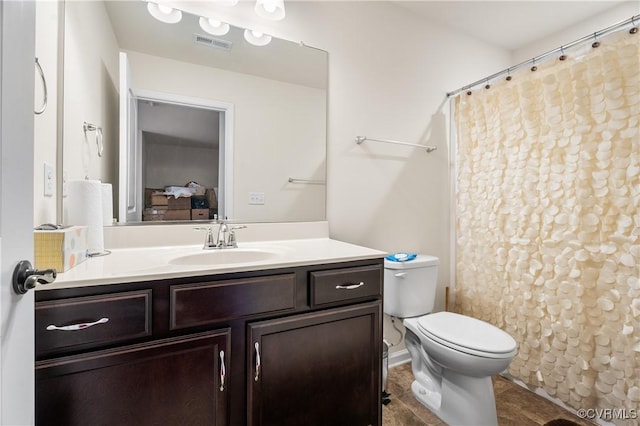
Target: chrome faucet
[
  {"x": 223, "y": 233},
  {"x": 226, "y": 237}
]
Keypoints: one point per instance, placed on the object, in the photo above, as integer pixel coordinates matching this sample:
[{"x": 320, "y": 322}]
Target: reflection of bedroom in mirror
[
  {"x": 272, "y": 101},
  {"x": 180, "y": 160}
]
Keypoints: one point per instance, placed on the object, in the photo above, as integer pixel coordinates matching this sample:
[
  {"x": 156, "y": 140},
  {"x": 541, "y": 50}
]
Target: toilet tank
[{"x": 410, "y": 287}]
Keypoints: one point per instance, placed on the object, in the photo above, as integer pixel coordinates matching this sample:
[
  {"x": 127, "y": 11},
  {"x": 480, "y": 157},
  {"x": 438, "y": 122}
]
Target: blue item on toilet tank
[{"x": 401, "y": 257}]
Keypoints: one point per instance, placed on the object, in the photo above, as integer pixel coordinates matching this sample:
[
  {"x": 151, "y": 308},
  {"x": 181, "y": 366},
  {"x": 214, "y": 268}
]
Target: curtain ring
[
  {"x": 563, "y": 56},
  {"x": 508, "y": 78},
  {"x": 634, "y": 29},
  {"x": 534, "y": 67},
  {"x": 595, "y": 43},
  {"x": 487, "y": 86}
]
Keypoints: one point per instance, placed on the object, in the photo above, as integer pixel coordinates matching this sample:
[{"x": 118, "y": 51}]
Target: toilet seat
[{"x": 468, "y": 335}]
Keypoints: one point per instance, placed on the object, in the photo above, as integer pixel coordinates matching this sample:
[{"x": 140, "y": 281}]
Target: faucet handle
[
  {"x": 209, "y": 241},
  {"x": 232, "y": 236}
]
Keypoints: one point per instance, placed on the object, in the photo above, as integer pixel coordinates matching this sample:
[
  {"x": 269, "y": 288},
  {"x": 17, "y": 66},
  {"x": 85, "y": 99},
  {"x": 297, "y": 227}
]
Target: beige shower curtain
[{"x": 547, "y": 222}]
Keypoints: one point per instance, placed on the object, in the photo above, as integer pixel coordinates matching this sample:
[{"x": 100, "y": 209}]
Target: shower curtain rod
[{"x": 594, "y": 36}]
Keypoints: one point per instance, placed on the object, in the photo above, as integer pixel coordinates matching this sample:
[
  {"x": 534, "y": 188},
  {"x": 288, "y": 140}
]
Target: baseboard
[
  {"x": 399, "y": 357},
  {"x": 541, "y": 392}
]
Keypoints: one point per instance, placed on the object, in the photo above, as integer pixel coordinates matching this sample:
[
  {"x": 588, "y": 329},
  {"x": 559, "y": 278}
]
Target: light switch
[{"x": 49, "y": 180}]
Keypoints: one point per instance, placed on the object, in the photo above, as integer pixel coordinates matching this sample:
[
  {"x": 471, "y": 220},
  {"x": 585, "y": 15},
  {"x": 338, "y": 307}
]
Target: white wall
[
  {"x": 90, "y": 92},
  {"x": 272, "y": 137},
  {"x": 166, "y": 164}
]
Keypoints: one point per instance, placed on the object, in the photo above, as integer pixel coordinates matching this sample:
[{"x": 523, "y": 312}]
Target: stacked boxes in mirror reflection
[{"x": 159, "y": 206}]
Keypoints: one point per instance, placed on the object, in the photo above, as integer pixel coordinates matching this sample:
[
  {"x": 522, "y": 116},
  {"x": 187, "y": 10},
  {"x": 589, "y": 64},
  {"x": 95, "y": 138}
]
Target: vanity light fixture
[
  {"x": 257, "y": 38},
  {"x": 270, "y": 9},
  {"x": 213, "y": 26},
  {"x": 164, "y": 13}
]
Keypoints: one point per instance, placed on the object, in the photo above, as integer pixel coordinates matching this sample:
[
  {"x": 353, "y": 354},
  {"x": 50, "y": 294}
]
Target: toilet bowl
[{"x": 453, "y": 356}]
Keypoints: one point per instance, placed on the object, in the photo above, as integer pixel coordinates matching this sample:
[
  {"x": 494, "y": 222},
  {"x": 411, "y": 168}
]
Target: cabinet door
[
  {"x": 168, "y": 382},
  {"x": 316, "y": 369}
]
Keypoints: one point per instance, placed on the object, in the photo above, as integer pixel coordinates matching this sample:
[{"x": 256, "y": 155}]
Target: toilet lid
[{"x": 457, "y": 330}]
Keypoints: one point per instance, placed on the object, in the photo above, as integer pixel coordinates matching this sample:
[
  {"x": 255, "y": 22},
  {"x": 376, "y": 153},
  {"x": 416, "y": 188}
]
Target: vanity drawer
[
  {"x": 216, "y": 301},
  {"x": 335, "y": 285},
  {"x": 92, "y": 321}
]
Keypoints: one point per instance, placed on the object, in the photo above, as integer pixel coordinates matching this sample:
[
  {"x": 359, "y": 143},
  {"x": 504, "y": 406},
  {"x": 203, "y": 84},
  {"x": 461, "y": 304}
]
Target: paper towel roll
[
  {"x": 84, "y": 207},
  {"x": 107, "y": 204}
]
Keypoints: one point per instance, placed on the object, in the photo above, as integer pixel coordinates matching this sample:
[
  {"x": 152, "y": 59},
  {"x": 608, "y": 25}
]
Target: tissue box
[{"x": 60, "y": 249}]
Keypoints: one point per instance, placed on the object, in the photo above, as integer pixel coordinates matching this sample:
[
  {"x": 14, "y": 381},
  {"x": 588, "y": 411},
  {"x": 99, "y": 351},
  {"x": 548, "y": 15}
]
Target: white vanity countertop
[{"x": 156, "y": 263}]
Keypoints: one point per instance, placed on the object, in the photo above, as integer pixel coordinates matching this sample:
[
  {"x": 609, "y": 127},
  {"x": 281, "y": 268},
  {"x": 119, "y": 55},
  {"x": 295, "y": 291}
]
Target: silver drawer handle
[
  {"x": 76, "y": 327},
  {"x": 349, "y": 286},
  {"x": 223, "y": 371},
  {"x": 257, "y": 376}
]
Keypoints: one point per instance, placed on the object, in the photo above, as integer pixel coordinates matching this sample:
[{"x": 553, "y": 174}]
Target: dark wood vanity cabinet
[
  {"x": 295, "y": 346},
  {"x": 168, "y": 382},
  {"x": 319, "y": 368}
]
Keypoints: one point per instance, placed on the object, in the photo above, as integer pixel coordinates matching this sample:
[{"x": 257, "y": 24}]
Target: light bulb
[
  {"x": 270, "y": 9},
  {"x": 213, "y": 26},
  {"x": 164, "y": 13},
  {"x": 257, "y": 38}
]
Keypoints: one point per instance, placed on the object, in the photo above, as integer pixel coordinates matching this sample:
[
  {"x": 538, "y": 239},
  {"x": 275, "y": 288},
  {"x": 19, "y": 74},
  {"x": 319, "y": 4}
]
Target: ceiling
[{"x": 508, "y": 24}]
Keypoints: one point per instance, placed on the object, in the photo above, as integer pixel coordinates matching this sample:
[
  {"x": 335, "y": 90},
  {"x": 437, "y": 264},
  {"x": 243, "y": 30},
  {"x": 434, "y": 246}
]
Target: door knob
[{"x": 25, "y": 277}]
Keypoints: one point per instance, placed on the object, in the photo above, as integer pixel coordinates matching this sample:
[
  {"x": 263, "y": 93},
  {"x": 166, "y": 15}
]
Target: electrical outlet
[
  {"x": 49, "y": 180},
  {"x": 256, "y": 198}
]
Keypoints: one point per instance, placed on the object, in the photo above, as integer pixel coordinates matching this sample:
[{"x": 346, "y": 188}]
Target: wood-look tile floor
[{"x": 515, "y": 405}]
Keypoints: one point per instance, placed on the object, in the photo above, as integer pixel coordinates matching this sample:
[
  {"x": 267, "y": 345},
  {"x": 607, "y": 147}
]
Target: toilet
[{"x": 452, "y": 356}]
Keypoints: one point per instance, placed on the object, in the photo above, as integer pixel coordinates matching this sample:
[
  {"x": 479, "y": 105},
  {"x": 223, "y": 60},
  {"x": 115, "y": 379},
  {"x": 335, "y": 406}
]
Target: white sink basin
[{"x": 234, "y": 255}]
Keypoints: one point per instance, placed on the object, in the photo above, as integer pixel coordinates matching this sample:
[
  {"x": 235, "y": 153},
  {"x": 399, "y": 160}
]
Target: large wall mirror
[{"x": 247, "y": 123}]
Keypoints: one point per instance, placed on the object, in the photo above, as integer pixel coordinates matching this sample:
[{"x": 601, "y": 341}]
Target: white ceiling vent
[{"x": 217, "y": 43}]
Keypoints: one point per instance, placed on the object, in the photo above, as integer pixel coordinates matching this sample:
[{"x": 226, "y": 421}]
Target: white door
[
  {"x": 17, "y": 66},
  {"x": 130, "y": 172}
]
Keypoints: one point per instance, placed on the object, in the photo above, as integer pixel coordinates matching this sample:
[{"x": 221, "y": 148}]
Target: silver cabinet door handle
[
  {"x": 257, "y": 376},
  {"x": 76, "y": 327},
  {"x": 349, "y": 286},
  {"x": 223, "y": 371}
]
